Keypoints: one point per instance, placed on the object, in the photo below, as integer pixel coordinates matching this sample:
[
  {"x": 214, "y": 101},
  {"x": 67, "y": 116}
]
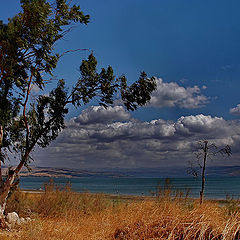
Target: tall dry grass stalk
[{"x": 63, "y": 214}]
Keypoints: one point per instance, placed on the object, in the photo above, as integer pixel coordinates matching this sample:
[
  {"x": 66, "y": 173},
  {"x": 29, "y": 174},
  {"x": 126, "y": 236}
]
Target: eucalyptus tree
[{"x": 27, "y": 60}]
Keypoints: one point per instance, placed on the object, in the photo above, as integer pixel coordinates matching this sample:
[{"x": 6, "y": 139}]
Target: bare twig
[{"x": 76, "y": 50}]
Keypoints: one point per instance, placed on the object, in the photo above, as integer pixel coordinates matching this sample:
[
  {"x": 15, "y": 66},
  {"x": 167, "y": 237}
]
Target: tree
[
  {"x": 206, "y": 150},
  {"x": 28, "y": 59}
]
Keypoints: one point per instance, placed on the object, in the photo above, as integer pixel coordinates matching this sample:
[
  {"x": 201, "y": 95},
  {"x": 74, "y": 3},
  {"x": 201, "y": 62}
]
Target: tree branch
[
  {"x": 76, "y": 50},
  {"x": 1, "y": 139},
  {"x": 24, "y": 110}
]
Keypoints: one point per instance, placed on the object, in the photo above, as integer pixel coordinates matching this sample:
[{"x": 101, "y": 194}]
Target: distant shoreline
[
  {"x": 178, "y": 172},
  {"x": 216, "y": 188},
  {"x": 128, "y": 197}
]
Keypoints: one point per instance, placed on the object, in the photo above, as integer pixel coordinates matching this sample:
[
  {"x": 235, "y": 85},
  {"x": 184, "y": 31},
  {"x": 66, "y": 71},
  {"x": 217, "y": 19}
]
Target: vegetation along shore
[{"x": 60, "y": 213}]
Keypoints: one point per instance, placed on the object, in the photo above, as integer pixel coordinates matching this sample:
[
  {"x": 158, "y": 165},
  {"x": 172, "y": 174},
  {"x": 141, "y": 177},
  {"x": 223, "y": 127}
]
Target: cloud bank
[{"x": 100, "y": 138}]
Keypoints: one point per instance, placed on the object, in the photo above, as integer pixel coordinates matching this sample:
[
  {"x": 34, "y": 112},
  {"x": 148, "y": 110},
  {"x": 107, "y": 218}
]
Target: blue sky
[
  {"x": 195, "y": 41},
  {"x": 192, "y": 46}
]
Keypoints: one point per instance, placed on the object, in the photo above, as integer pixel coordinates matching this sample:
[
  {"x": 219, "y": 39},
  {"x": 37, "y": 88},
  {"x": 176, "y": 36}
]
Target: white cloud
[
  {"x": 173, "y": 95},
  {"x": 236, "y": 110},
  {"x": 139, "y": 144},
  {"x": 99, "y": 114},
  {"x": 201, "y": 123}
]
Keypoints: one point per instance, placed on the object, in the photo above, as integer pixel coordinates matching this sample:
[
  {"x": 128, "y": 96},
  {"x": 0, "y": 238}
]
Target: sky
[{"x": 190, "y": 47}]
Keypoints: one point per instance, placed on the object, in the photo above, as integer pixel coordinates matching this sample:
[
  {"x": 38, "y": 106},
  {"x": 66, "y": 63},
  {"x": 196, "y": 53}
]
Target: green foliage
[
  {"x": 27, "y": 56},
  {"x": 105, "y": 85},
  {"x": 137, "y": 93}
]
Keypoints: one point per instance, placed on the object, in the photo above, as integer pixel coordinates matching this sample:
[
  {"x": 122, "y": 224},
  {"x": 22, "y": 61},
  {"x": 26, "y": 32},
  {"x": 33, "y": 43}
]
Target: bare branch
[
  {"x": 76, "y": 50},
  {"x": 203, "y": 153}
]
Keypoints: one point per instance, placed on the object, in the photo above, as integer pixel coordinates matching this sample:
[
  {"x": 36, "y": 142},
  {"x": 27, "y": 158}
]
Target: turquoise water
[{"x": 216, "y": 187}]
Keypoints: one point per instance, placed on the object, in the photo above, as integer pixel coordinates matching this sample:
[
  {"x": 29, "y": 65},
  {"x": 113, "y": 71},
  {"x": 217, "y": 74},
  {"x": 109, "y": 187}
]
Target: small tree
[
  {"x": 27, "y": 58},
  {"x": 205, "y": 151}
]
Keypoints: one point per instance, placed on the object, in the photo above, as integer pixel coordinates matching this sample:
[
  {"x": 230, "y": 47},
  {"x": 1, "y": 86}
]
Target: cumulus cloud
[
  {"x": 99, "y": 114},
  {"x": 201, "y": 124},
  {"x": 132, "y": 143},
  {"x": 173, "y": 95},
  {"x": 236, "y": 110}
]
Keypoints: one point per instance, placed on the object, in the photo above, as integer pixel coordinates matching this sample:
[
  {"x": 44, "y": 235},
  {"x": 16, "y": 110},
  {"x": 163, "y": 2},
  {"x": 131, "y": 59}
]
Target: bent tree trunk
[
  {"x": 4, "y": 192},
  {"x": 6, "y": 187},
  {"x": 7, "y": 184}
]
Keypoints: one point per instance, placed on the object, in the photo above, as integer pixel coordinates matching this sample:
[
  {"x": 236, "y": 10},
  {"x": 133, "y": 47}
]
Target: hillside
[{"x": 222, "y": 171}]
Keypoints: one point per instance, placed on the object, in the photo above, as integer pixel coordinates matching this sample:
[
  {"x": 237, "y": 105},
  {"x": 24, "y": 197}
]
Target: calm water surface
[{"x": 216, "y": 187}]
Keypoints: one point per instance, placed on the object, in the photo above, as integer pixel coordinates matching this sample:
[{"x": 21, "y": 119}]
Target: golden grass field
[{"x": 63, "y": 214}]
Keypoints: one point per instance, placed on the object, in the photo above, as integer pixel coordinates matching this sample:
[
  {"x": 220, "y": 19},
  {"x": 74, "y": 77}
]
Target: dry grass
[{"x": 62, "y": 214}]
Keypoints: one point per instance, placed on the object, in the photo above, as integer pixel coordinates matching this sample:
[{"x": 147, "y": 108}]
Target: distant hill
[
  {"x": 218, "y": 171},
  {"x": 62, "y": 172},
  {"x": 223, "y": 171}
]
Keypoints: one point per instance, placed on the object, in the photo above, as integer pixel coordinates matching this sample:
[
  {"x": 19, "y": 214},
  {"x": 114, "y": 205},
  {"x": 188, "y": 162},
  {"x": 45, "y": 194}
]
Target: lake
[{"x": 216, "y": 187}]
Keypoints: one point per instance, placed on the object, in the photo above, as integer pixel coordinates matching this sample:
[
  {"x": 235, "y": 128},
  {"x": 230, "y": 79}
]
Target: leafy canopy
[{"x": 27, "y": 57}]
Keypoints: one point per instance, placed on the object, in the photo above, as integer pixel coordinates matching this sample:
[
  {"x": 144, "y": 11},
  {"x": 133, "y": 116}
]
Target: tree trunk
[
  {"x": 4, "y": 192},
  {"x": 2, "y": 202},
  {"x": 1, "y": 139},
  {"x": 5, "y": 186},
  {"x": 2, "y": 217},
  {"x": 203, "y": 170}
]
